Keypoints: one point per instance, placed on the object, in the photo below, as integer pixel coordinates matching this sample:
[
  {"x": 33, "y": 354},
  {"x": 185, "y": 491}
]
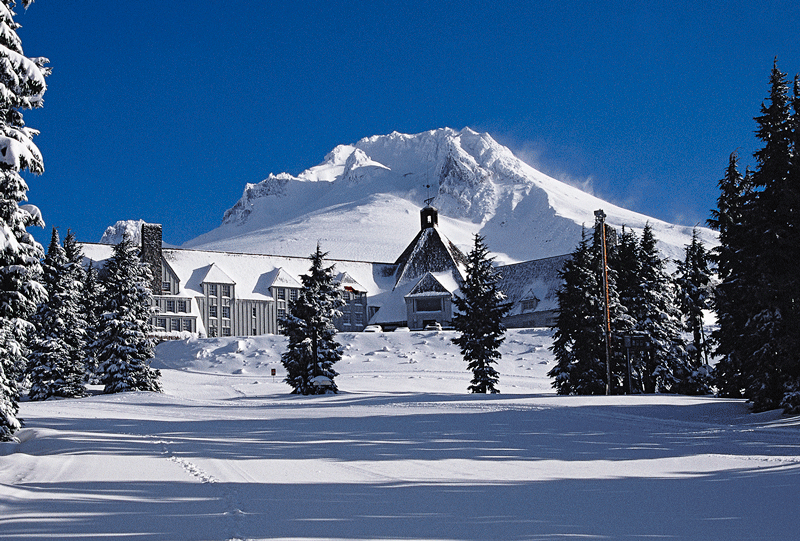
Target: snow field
[{"x": 403, "y": 452}]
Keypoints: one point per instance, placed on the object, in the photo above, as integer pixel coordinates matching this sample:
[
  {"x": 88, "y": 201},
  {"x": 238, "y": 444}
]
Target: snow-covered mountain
[
  {"x": 114, "y": 233},
  {"x": 362, "y": 202}
]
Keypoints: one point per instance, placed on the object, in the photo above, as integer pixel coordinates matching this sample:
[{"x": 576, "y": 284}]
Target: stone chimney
[{"x": 151, "y": 253}]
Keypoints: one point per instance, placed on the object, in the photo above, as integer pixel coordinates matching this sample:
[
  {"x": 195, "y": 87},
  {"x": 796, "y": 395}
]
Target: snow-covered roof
[
  {"x": 254, "y": 274},
  {"x": 97, "y": 253},
  {"x": 215, "y": 275},
  {"x": 345, "y": 280},
  {"x": 435, "y": 285},
  {"x": 280, "y": 278},
  {"x": 430, "y": 251},
  {"x": 538, "y": 278},
  {"x": 428, "y": 286}
]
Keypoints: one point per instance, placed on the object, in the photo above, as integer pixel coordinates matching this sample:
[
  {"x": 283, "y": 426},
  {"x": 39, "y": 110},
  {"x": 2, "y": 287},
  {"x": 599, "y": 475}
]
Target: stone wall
[{"x": 151, "y": 253}]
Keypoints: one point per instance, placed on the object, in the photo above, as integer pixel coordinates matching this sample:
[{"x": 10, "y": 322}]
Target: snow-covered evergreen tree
[
  {"x": 729, "y": 219},
  {"x": 312, "y": 350},
  {"x": 693, "y": 278},
  {"x": 77, "y": 277},
  {"x": 656, "y": 313},
  {"x": 479, "y": 321},
  {"x": 579, "y": 338},
  {"x": 123, "y": 345},
  {"x": 22, "y": 80},
  {"x": 55, "y": 365},
  {"x": 771, "y": 362},
  {"x": 92, "y": 310}
]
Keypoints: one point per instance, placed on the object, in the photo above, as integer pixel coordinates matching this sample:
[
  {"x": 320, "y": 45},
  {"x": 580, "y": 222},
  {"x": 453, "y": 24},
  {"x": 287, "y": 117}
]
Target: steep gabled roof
[
  {"x": 428, "y": 285},
  {"x": 430, "y": 251},
  {"x": 346, "y": 281},
  {"x": 280, "y": 278},
  {"x": 215, "y": 275}
]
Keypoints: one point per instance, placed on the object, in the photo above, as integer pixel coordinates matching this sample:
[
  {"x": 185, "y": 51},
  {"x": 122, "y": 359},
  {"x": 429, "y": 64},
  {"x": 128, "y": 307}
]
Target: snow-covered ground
[{"x": 403, "y": 452}]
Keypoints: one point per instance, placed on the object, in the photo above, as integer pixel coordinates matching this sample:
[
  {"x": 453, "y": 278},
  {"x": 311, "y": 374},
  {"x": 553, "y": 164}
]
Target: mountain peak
[{"x": 478, "y": 185}]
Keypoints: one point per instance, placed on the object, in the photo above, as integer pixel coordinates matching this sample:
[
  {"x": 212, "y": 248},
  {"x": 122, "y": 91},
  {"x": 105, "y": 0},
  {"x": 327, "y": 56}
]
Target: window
[
  {"x": 162, "y": 323},
  {"x": 226, "y": 290},
  {"x": 226, "y": 331},
  {"x": 170, "y": 306},
  {"x": 281, "y": 313},
  {"x": 255, "y": 331},
  {"x": 281, "y": 293},
  {"x": 187, "y": 325},
  {"x": 175, "y": 324},
  {"x": 292, "y": 295},
  {"x": 346, "y": 318},
  {"x": 359, "y": 318},
  {"x": 212, "y": 311},
  {"x": 226, "y": 311},
  {"x": 429, "y": 305},
  {"x": 255, "y": 313},
  {"x": 166, "y": 286},
  {"x": 212, "y": 331},
  {"x": 529, "y": 305},
  {"x": 212, "y": 290},
  {"x": 182, "y": 306}
]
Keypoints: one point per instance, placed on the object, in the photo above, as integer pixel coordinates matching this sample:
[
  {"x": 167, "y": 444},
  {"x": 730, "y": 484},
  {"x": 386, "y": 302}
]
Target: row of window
[
  {"x": 213, "y": 290},
  {"x": 226, "y": 311},
  {"x": 212, "y": 331},
  {"x": 180, "y": 306},
  {"x": 174, "y": 324},
  {"x": 357, "y": 318},
  {"x": 280, "y": 292}
]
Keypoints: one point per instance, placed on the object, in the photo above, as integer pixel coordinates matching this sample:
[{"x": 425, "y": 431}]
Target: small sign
[
  {"x": 273, "y": 372},
  {"x": 633, "y": 341}
]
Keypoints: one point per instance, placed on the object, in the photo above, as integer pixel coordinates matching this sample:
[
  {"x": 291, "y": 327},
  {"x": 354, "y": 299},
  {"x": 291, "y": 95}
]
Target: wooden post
[{"x": 601, "y": 220}]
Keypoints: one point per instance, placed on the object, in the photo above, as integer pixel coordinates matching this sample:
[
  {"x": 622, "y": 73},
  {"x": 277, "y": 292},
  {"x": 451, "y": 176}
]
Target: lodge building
[{"x": 209, "y": 293}]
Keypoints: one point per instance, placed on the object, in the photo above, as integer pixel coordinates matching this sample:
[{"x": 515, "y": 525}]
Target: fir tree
[
  {"x": 92, "y": 310},
  {"x": 480, "y": 319},
  {"x": 312, "y": 350},
  {"x": 729, "y": 220},
  {"x": 124, "y": 347},
  {"x": 579, "y": 338},
  {"x": 76, "y": 276},
  {"x": 657, "y": 315},
  {"x": 23, "y": 83},
  {"x": 55, "y": 366},
  {"x": 693, "y": 278},
  {"x": 770, "y": 346},
  {"x": 628, "y": 265}
]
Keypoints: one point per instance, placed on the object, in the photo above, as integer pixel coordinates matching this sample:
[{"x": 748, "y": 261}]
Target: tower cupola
[{"x": 429, "y": 217}]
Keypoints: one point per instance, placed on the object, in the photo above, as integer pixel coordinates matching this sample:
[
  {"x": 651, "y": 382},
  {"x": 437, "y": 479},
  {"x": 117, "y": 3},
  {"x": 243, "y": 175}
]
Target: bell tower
[{"x": 429, "y": 216}]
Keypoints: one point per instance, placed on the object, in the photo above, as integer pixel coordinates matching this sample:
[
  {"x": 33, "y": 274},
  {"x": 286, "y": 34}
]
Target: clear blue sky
[{"x": 164, "y": 110}]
